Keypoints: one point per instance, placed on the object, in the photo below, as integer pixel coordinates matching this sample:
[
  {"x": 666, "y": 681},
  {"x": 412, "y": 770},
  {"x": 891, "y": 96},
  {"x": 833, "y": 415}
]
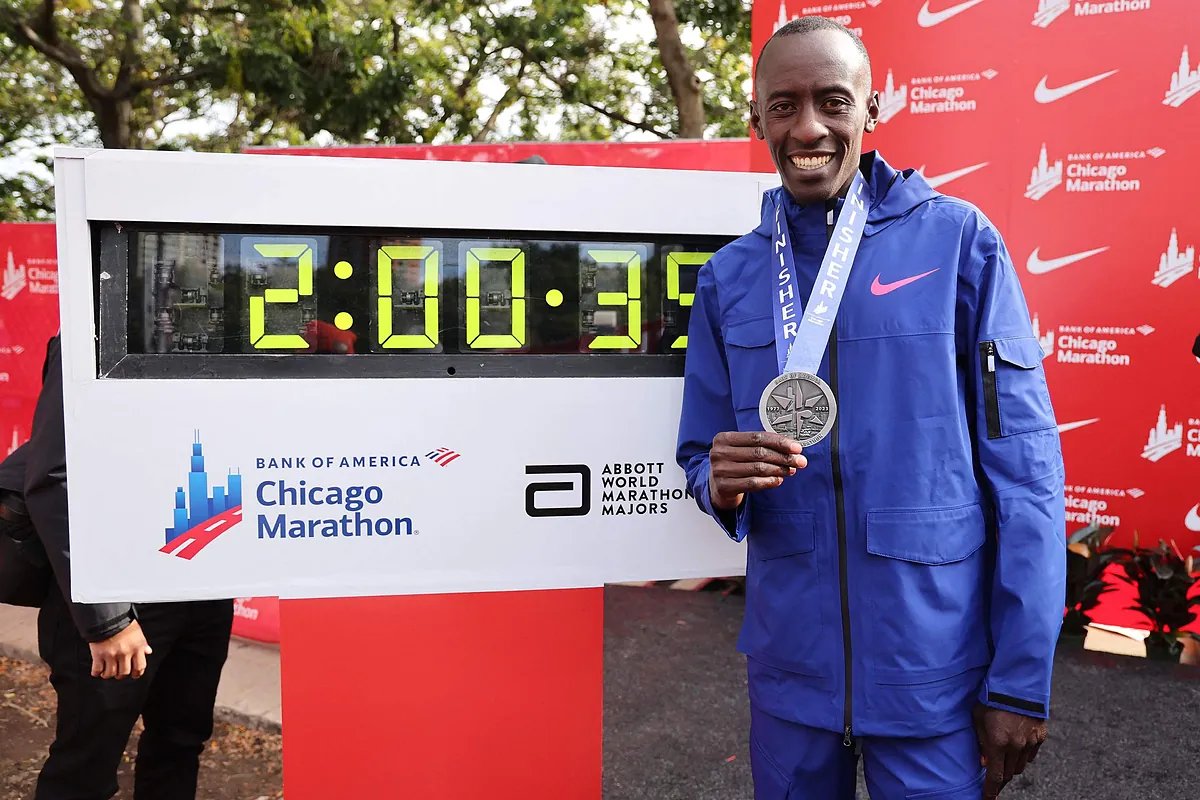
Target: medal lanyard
[{"x": 801, "y": 346}]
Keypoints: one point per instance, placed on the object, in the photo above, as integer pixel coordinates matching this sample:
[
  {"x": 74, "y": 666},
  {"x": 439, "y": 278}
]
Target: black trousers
[{"x": 175, "y": 698}]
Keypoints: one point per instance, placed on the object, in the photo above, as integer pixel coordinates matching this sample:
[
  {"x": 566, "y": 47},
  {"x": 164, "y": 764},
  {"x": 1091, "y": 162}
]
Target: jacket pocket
[
  {"x": 1014, "y": 387},
  {"x": 927, "y": 620},
  {"x": 753, "y": 363},
  {"x": 783, "y": 619}
]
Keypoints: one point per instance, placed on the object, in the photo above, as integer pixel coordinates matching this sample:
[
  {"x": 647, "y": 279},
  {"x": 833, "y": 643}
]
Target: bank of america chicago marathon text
[{"x": 352, "y": 522}]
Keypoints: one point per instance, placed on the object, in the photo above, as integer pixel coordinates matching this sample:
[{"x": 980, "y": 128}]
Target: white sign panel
[{"x": 319, "y": 377}]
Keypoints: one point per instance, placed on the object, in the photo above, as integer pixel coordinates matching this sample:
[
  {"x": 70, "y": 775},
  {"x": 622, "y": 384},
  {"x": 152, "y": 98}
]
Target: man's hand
[
  {"x": 122, "y": 656},
  {"x": 1007, "y": 742},
  {"x": 750, "y": 461}
]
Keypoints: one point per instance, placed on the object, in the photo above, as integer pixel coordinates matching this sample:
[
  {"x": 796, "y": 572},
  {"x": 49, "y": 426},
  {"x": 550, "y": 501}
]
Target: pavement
[
  {"x": 249, "y": 691},
  {"x": 676, "y": 715}
]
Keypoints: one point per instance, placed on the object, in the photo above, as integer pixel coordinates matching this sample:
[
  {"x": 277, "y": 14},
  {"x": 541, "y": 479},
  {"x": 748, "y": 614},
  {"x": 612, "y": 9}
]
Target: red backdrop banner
[
  {"x": 1070, "y": 125},
  {"x": 28, "y": 318}
]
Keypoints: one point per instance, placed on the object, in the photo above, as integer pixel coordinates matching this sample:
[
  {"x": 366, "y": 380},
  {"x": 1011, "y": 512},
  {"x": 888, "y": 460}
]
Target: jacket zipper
[
  {"x": 840, "y": 502},
  {"x": 987, "y": 353}
]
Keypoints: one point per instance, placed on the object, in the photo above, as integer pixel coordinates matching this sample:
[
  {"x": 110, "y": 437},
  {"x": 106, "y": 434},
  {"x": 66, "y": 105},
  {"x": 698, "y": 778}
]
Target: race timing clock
[{"x": 317, "y": 376}]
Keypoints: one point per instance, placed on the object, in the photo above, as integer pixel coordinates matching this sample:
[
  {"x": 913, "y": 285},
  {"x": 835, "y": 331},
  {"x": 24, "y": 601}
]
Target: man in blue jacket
[{"x": 895, "y": 470}]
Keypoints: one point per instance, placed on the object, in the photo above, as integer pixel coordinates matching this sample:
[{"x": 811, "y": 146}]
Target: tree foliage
[{"x": 227, "y": 74}]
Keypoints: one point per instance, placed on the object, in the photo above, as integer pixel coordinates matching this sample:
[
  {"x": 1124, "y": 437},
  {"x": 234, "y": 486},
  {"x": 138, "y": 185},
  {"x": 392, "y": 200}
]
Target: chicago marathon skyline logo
[
  {"x": 1164, "y": 438},
  {"x": 201, "y": 515},
  {"x": 1050, "y": 10},
  {"x": 14, "y": 279},
  {"x": 1185, "y": 83},
  {"x": 1174, "y": 263},
  {"x": 1100, "y": 171}
]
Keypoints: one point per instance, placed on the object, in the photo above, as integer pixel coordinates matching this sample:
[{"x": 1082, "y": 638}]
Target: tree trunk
[
  {"x": 113, "y": 118},
  {"x": 685, "y": 84}
]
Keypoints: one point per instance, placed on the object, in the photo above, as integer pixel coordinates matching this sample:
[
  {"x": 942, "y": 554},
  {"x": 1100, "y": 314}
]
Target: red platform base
[{"x": 441, "y": 697}]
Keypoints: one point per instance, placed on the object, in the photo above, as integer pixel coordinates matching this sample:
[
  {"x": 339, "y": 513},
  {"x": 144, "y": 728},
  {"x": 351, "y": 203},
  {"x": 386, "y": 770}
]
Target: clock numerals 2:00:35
[{"x": 232, "y": 292}]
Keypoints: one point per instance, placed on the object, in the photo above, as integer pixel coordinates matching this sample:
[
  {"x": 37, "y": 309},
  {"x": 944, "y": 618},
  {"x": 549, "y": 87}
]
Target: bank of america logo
[
  {"x": 1184, "y": 83},
  {"x": 892, "y": 99},
  {"x": 442, "y": 456},
  {"x": 1134, "y": 493},
  {"x": 14, "y": 279},
  {"x": 1164, "y": 438},
  {"x": 1044, "y": 177},
  {"x": 200, "y": 516},
  {"x": 1174, "y": 263},
  {"x": 1047, "y": 340}
]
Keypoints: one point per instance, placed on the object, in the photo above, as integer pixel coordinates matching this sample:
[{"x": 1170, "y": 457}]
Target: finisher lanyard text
[{"x": 800, "y": 347}]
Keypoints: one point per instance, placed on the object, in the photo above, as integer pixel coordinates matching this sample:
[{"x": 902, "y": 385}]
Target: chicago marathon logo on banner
[
  {"x": 1166, "y": 437},
  {"x": 1088, "y": 344},
  {"x": 932, "y": 94},
  {"x": 1174, "y": 263},
  {"x": 1050, "y": 10},
  {"x": 1184, "y": 83},
  {"x": 32, "y": 275},
  {"x": 834, "y": 11},
  {"x": 1111, "y": 171},
  {"x": 1088, "y": 504}
]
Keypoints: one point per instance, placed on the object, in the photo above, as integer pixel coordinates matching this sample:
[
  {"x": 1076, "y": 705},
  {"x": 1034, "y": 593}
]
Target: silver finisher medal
[{"x": 798, "y": 404}]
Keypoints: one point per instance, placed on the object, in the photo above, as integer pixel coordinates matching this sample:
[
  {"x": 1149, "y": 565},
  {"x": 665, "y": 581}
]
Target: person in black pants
[{"x": 111, "y": 663}]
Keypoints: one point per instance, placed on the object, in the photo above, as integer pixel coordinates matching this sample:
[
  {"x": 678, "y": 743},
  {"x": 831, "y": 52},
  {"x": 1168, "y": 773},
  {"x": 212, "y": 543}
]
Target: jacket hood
[{"x": 892, "y": 194}]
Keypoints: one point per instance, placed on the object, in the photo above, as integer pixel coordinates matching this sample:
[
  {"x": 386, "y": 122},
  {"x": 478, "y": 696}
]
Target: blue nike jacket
[{"x": 917, "y": 565}]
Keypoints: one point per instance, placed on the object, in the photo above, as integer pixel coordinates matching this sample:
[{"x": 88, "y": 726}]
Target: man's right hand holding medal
[{"x": 749, "y": 461}]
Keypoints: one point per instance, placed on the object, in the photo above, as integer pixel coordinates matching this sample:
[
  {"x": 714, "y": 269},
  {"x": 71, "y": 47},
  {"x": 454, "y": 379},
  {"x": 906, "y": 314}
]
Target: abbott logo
[
  {"x": 1184, "y": 83},
  {"x": 1163, "y": 439},
  {"x": 580, "y": 483},
  {"x": 1044, "y": 177},
  {"x": 14, "y": 279},
  {"x": 1174, "y": 263},
  {"x": 892, "y": 99}
]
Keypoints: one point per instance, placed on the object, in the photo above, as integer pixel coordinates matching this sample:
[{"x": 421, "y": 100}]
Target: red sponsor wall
[
  {"x": 28, "y": 318},
  {"x": 1071, "y": 125}
]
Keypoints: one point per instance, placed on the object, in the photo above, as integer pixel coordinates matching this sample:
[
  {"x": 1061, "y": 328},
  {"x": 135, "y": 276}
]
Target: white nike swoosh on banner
[
  {"x": 1038, "y": 266},
  {"x": 1070, "y": 426},
  {"x": 927, "y": 18},
  {"x": 1044, "y": 94},
  {"x": 1193, "y": 518},
  {"x": 940, "y": 180}
]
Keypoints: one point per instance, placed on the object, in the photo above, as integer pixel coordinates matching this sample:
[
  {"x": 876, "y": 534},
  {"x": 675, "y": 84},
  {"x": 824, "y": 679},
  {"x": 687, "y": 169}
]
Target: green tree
[{"x": 126, "y": 73}]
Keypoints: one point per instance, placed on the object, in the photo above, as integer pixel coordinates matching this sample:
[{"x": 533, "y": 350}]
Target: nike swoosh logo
[
  {"x": 1044, "y": 94},
  {"x": 879, "y": 289},
  {"x": 946, "y": 177},
  {"x": 1070, "y": 426},
  {"x": 927, "y": 18},
  {"x": 1193, "y": 518},
  {"x": 1039, "y": 266}
]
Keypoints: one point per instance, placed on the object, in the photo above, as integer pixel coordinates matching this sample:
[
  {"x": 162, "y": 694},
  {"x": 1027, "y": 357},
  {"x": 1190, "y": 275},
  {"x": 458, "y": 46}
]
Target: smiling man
[{"x": 864, "y": 404}]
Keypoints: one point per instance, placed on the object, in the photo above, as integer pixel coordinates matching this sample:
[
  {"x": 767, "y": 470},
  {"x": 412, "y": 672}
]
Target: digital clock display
[{"x": 546, "y": 303}]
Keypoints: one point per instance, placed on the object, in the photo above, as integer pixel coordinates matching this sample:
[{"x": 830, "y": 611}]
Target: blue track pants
[{"x": 794, "y": 762}]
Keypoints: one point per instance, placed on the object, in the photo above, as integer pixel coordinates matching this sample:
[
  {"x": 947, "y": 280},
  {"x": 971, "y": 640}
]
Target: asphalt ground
[{"x": 676, "y": 715}]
